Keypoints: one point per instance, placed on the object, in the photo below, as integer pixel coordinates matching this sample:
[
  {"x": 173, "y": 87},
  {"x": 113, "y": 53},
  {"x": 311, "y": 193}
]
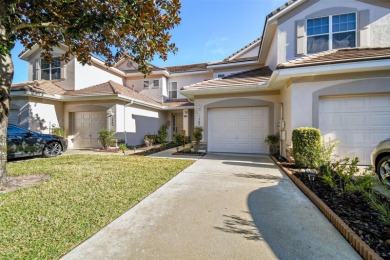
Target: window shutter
[
  {"x": 364, "y": 34},
  {"x": 301, "y": 37}
]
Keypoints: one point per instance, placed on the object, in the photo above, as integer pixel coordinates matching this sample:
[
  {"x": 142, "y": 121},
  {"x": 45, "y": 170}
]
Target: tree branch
[{"x": 35, "y": 25}]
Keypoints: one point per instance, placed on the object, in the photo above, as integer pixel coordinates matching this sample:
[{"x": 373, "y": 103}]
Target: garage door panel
[
  {"x": 87, "y": 126},
  {"x": 242, "y": 130},
  {"x": 359, "y": 123}
]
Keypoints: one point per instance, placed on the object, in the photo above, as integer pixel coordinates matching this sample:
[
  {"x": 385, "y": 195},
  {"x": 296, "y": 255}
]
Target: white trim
[
  {"x": 251, "y": 46},
  {"x": 286, "y": 10}
]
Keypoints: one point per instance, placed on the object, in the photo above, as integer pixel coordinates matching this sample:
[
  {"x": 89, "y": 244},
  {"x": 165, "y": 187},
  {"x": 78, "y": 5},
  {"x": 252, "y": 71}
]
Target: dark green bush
[
  {"x": 306, "y": 146},
  {"x": 105, "y": 137}
]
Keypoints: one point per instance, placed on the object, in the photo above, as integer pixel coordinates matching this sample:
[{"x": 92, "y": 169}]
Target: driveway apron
[{"x": 223, "y": 206}]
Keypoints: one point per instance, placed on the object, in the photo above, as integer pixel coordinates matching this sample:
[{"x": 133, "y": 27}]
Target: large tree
[{"x": 111, "y": 29}]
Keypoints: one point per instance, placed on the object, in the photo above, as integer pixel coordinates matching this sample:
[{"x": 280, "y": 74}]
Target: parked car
[
  {"x": 26, "y": 143},
  {"x": 380, "y": 158}
]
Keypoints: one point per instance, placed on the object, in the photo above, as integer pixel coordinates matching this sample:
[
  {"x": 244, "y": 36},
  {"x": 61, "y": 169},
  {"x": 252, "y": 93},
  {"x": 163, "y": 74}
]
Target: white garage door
[
  {"x": 238, "y": 130},
  {"x": 359, "y": 123},
  {"x": 87, "y": 126}
]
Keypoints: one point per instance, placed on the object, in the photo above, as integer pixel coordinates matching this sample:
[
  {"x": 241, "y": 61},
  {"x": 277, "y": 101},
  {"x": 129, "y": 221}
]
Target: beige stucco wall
[
  {"x": 137, "y": 121},
  {"x": 301, "y": 98},
  {"x": 187, "y": 79},
  {"x": 38, "y": 114},
  {"x": 156, "y": 93},
  {"x": 88, "y": 75},
  {"x": 379, "y": 20}
]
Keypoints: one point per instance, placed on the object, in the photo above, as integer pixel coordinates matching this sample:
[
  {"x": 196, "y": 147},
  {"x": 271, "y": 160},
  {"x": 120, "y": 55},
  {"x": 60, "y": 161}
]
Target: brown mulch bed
[{"x": 353, "y": 209}]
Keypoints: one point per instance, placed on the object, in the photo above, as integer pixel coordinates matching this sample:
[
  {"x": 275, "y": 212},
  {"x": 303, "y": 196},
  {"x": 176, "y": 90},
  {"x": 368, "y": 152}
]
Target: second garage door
[
  {"x": 87, "y": 126},
  {"x": 238, "y": 130},
  {"x": 359, "y": 123}
]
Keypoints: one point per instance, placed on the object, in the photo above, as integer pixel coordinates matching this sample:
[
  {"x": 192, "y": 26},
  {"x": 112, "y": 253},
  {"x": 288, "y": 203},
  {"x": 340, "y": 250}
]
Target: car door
[{"x": 22, "y": 142}]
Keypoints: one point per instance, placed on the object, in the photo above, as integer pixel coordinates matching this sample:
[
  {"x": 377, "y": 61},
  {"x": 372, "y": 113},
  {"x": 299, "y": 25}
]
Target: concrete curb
[{"x": 360, "y": 246}]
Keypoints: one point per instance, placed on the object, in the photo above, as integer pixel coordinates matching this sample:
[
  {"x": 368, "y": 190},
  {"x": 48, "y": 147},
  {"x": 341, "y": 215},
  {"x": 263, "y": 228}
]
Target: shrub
[
  {"x": 105, "y": 137},
  {"x": 326, "y": 156},
  {"x": 273, "y": 142},
  {"x": 58, "y": 131},
  {"x": 306, "y": 145},
  {"x": 150, "y": 139},
  {"x": 197, "y": 136},
  {"x": 177, "y": 139},
  {"x": 122, "y": 147},
  {"x": 162, "y": 134}
]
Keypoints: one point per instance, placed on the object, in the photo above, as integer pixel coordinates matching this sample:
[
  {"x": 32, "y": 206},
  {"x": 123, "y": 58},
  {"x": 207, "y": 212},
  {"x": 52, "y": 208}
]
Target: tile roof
[
  {"x": 338, "y": 56},
  {"x": 233, "y": 61},
  {"x": 187, "y": 68},
  {"x": 40, "y": 86},
  {"x": 281, "y": 8},
  {"x": 111, "y": 87},
  {"x": 243, "y": 48},
  {"x": 178, "y": 103},
  {"x": 250, "y": 77}
]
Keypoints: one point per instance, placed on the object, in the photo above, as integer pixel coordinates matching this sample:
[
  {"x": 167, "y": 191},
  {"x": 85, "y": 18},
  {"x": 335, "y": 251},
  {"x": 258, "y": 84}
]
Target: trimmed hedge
[{"x": 306, "y": 144}]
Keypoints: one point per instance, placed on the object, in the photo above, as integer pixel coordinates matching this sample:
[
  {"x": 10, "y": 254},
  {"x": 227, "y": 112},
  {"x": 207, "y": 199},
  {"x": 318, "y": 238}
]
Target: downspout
[
  {"x": 282, "y": 131},
  {"x": 124, "y": 119}
]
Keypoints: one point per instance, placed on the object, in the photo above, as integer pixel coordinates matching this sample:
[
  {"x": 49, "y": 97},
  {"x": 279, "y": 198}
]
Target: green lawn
[{"x": 84, "y": 194}]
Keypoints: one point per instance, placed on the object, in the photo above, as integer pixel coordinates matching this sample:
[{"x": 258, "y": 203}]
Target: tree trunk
[{"x": 6, "y": 76}]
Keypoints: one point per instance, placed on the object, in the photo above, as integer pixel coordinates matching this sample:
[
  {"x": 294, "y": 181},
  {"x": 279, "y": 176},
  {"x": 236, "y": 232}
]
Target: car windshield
[{"x": 13, "y": 130}]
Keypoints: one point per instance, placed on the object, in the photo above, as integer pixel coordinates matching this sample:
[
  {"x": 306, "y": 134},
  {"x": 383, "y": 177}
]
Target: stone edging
[{"x": 360, "y": 246}]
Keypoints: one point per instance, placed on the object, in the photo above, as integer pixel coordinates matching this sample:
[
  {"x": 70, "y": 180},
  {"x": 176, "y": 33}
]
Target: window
[
  {"x": 146, "y": 84},
  {"x": 172, "y": 90},
  {"x": 51, "y": 71},
  {"x": 331, "y": 32},
  {"x": 156, "y": 83},
  {"x": 12, "y": 130},
  {"x": 221, "y": 75}
]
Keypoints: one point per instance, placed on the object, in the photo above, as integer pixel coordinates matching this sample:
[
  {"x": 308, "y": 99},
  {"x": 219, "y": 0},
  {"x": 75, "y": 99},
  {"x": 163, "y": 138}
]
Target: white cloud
[{"x": 216, "y": 45}]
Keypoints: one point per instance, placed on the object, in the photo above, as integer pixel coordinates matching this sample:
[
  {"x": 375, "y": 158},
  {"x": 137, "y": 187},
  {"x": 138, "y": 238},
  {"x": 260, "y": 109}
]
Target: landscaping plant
[
  {"x": 177, "y": 139},
  {"x": 150, "y": 140},
  {"x": 306, "y": 143},
  {"x": 197, "y": 136},
  {"x": 58, "y": 131},
  {"x": 273, "y": 141},
  {"x": 122, "y": 147},
  {"x": 105, "y": 137},
  {"x": 162, "y": 135}
]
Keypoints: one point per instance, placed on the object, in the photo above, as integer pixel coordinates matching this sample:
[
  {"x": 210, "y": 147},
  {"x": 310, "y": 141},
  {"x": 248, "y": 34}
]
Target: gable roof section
[
  {"x": 232, "y": 61},
  {"x": 112, "y": 88},
  {"x": 338, "y": 56},
  {"x": 250, "y": 77},
  {"x": 39, "y": 86},
  {"x": 244, "y": 48}
]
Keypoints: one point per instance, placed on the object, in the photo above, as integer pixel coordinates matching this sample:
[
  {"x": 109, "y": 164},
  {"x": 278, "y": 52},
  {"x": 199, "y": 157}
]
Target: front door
[{"x": 177, "y": 123}]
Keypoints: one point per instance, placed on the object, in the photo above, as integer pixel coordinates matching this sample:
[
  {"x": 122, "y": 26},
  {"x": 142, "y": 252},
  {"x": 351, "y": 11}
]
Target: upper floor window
[
  {"x": 221, "y": 75},
  {"x": 156, "y": 83},
  {"x": 331, "y": 32},
  {"x": 146, "y": 84},
  {"x": 52, "y": 70},
  {"x": 172, "y": 91}
]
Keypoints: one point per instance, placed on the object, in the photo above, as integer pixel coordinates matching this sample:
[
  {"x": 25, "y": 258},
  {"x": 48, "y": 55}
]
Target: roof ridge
[{"x": 113, "y": 87}]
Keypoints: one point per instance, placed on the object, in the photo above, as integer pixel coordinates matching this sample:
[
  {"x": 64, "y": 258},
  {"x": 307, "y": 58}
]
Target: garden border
[{"x": 360, "y": 246}]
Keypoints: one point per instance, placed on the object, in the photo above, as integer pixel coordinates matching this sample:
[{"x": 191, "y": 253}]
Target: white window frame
[
  {"x": 171, "y": 90},
  {"x": 330, "y": 33},
  {"x": 50, "y": 68}
]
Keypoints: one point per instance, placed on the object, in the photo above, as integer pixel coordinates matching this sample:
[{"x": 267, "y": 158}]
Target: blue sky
[{"x": 210, "y": 30}]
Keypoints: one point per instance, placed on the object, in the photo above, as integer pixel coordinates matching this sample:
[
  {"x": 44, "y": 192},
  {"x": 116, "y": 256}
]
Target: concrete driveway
[{"x": 221, "y": 207}]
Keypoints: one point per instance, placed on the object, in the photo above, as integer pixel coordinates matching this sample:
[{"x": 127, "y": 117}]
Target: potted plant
[{"x": 273, "y": 142}]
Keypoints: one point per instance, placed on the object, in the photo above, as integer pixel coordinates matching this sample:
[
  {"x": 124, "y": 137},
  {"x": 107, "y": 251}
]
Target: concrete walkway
[{"x": 221, "y": 207}]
